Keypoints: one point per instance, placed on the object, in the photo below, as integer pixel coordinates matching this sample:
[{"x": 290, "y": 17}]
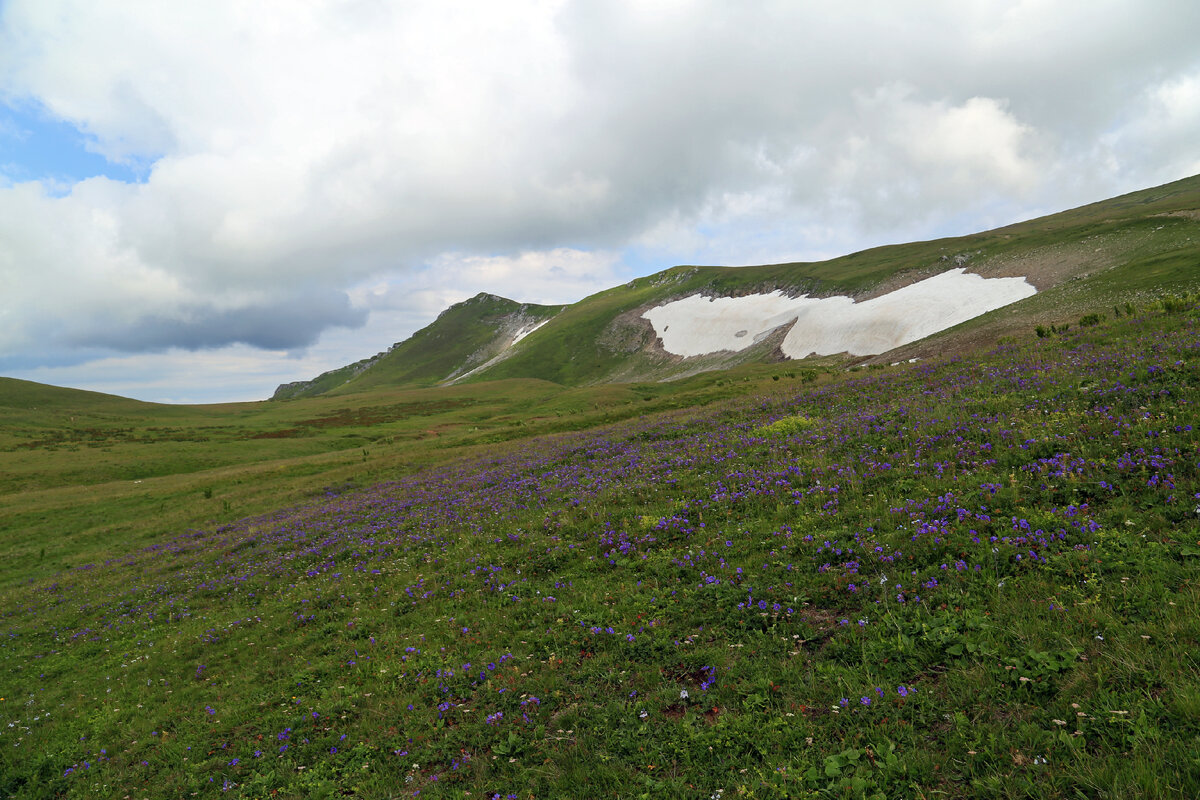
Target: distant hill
[
  {"x": 1079, "y": 261},
  {"x": 464, "y": 337},
  {"x": 19, "y": 396}
]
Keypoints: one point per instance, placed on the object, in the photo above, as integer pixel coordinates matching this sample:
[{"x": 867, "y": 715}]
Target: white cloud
[{"x": 549, "y": 277}]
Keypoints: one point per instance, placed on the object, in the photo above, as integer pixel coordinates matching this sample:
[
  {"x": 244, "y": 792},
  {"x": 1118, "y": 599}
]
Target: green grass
[
  {"x": 80, "y": 470},
  {"x": 671, "y": 589},
  {"x": 1000, "y": 553}
]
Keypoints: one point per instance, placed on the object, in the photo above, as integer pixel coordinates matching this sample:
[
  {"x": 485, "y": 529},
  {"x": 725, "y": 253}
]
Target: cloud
[
  {"x": 290, "y": 322},
  {"x": 293, "y": 153},
  {"x": 74, "y": 281},
  {"x": 561, "y": 275}
]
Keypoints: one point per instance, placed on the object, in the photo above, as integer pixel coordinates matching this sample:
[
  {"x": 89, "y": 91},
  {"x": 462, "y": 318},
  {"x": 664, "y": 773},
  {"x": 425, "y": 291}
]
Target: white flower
[
  {"x": 643, "y": 715},
  {"x": 683, "y": 695}
]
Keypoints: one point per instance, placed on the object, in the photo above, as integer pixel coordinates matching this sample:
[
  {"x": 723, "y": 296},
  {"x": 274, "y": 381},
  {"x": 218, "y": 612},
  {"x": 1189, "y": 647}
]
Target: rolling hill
[{"x": 1079, "y": 261}]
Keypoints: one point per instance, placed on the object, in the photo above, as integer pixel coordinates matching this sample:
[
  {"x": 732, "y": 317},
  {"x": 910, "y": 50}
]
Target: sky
[{"x": 200, "y": 201}]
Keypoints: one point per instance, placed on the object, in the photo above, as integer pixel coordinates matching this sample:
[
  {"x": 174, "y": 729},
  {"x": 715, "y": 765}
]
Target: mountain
[
  {"x": 468, "y": 336},
  {"x": 898, "y": 301}
]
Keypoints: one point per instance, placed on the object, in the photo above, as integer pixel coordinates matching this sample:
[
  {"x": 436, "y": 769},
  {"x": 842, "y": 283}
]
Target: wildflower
[{"x": 643, "y": 714}]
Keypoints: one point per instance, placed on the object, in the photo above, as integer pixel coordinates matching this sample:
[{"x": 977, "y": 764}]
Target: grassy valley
[{"x": 973, "y": 575}]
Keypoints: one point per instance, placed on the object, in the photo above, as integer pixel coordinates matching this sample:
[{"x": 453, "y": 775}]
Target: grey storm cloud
[{"x": 289, "y": 323}]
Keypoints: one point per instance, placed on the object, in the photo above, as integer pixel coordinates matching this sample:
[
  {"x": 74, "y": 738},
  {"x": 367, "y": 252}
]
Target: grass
[
  {"x": 959, "y": 578},
  {"x": 80, "y": 470}
]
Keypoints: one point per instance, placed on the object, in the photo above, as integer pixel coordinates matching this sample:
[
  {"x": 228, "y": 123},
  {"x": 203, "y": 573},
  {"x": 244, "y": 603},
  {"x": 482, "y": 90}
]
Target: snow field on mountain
[{"x": 699, "y": 325}]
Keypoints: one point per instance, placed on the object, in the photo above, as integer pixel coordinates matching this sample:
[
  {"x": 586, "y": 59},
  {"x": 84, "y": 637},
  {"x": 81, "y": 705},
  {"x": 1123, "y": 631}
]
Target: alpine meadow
[{"x": 532, "y": 553}]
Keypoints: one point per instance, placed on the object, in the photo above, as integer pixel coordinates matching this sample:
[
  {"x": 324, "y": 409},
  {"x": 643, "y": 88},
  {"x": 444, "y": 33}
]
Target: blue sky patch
[{"x": 34, "y": 146}]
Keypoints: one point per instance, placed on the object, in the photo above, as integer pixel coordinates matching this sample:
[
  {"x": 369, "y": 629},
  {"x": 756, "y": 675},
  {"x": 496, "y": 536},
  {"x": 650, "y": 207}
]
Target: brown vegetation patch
[
  {"x": 1188, "y": 213},
  {"x": 374, "y": 415},
  {"x": 286, "y": 433},
  {"x": 674, "y": 712},
  {"x": 692, "y": 676}
]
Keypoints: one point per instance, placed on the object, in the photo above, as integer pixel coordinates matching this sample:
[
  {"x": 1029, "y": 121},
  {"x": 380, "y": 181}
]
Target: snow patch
[
  {"x": 698, "y": 325},
  {"x": 504, "y": 352},
  {"x": 521, "y": 334}
]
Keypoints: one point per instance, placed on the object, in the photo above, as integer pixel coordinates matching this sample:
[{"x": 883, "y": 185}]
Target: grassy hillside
[
  {"x": 1152, "y": 237},
  {"x": 80, "y": 472},
  {"x": 971, "y": 577},
  {"x": 1083, "y": 260},
  {"x": 463, "y": 336}
]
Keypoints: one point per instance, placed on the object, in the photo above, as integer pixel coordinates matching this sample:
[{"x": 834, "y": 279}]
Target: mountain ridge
[{"x": 1079, "y": 260}]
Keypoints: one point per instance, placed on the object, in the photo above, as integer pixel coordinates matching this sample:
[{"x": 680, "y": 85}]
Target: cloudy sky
[{"x": 199, "y": 201}]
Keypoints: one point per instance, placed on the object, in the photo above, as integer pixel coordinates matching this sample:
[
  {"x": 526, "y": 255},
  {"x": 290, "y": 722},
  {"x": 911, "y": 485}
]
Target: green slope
[
  {"x": 970, "y": 578},
  {"x": 463, "y": 336},
  {"x": 1128, "y": 245},
  {"x": 17, "y": 395},
  {"x": 1082, "y": 261}
]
